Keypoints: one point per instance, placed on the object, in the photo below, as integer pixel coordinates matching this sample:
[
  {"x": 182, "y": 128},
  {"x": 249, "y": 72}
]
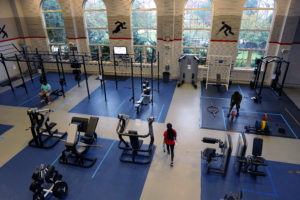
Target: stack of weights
[{"x": 262, "y": 125}]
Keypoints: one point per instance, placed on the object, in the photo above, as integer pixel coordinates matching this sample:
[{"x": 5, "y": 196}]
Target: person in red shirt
[{"x": 169, "y": 139}]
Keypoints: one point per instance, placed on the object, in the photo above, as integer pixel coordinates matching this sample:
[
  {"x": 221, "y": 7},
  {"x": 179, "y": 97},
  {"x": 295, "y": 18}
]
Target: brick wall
[{"x": 169, "y": 27}]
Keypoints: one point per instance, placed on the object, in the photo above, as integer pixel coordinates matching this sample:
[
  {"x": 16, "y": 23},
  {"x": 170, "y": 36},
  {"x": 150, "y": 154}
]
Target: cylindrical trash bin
[{"x": 166, "y": 77}]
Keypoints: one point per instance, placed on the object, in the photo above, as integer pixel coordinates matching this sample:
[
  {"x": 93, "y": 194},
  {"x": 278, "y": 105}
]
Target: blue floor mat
[
  {"x": 108, "y": 178},
  {"x": 275, "y": 107},
  {"x": 4, "y": 128},
  {"x": 118, "y": 101},
  {"x": 281, "y": 182},
  {"x": 21, "y": 99}
]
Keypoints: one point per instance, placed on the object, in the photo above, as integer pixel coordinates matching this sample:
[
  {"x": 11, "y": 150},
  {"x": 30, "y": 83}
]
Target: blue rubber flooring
[
  {"x": 21, "y": 99},
  {"x": 275, "y": 107},
  {"x": 108, "y": 178},
  {"x": 281, "y": 182},
  {"x": 3, "y": 129},
  {"x": 118, "y": 101}
]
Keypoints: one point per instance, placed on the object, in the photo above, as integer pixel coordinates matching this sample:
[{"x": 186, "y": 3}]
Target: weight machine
[
  {"x": 77, "y": 145},
  {"x": 42, "y": 133},
  {"x": 250, "y": 164},
  {"x": 211, "y": 157},
  {"x": 133, "y": 151},
  {"x": 188, "y": 64}
]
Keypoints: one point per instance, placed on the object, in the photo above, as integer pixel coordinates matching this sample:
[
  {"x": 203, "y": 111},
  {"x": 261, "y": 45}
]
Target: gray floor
[
  {"x": 183, "y": 181},
  {"x": 294, "y": 95}
]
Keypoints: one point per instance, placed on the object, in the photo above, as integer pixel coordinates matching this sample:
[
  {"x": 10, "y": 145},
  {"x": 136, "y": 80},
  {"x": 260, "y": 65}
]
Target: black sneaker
[
  {"x": 237, "y": 114},
  {"x": 171, "y": 164},
  {"x": 228, "y": 115}
]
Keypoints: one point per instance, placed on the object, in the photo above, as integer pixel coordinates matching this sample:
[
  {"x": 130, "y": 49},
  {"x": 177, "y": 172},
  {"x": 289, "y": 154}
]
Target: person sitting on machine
[
  {"x": 45, "y": 91},
  {"x": 236, "y": 99}
]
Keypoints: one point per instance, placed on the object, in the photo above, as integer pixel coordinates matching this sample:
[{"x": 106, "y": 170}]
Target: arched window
[
  {"x": 255, "y": 31},
  {"x": 144, "y": 28},
  {"x": 196, "y": 27},
  {"x": 54, "y": 24},
  {"x": 96, "y": 26}
]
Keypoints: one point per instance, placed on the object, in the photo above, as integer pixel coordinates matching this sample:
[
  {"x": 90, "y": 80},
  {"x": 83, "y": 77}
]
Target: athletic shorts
[{"x": 47, "y": 94}]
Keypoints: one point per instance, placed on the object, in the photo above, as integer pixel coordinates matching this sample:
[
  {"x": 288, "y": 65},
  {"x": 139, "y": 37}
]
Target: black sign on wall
[
  {"x": 3, "y": 32},
  {"x": 120, "y": 25},
  {"x": 226, "y": 28}
]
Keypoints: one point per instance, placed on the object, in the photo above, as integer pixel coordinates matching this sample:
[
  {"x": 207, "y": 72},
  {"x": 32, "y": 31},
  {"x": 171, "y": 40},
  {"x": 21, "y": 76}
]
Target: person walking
[{"x": 169, "y": 139}]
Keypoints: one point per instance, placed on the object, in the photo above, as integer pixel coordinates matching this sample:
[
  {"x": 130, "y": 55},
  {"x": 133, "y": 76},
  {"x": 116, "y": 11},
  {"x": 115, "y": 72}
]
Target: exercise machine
[
  {"x": 188, "y": 64},
  {"x": 219, "y": 71},
  {"x": 214, "y": 158},
  {"x": 250, "y": 164},
  {"x": 233, "y": 196},
  {"x": 42, "y": 133},
  {"x": 47, "y": 180},
  {"x": 133, "y": 150},
  {"x": 261, "y": 127},
  {"x": 77, "y": 145},
  {"x": 145, "y": 97},
  {"x": 275, "y": 85}
]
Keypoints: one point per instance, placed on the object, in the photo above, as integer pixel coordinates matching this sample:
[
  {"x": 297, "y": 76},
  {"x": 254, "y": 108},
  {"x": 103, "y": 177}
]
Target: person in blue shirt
[{"x": 45, "y": 91}]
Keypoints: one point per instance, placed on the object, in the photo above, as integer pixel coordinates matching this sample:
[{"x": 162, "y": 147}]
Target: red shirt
[{"x": 168, "y": 141}]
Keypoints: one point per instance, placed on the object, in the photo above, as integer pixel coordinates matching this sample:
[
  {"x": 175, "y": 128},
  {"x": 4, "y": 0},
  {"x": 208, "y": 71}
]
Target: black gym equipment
[
  {"x": 233, "y": 196},
  {"x": 276, "y": 86},
  {"x": 257, "y": 130},
  {"x": 250, "y": 164},
  {"x": 133, "y": 151},
  {"x": 188, "y": 64},
  {"x": 47, "y": 180},
  {"x": 77, "y": 146},
  {"x": 210, "y": 155},
  {"x": 145, "y": 97},
  {"x": 42, "y": 133}
]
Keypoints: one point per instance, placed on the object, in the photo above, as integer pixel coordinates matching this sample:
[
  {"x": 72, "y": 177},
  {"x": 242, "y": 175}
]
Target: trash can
[{"x": 166, "y": 77}]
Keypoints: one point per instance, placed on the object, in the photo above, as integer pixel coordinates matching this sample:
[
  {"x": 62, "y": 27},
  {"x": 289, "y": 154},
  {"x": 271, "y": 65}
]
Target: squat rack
[
  {"x": 60, "y": 58},
  {"x": 266, "y": 60}
]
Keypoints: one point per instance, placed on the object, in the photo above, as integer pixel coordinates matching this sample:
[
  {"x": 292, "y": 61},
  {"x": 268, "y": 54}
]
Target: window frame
[
  {"x": 199, "y": 29},
  {"x": 250, "y": 51},
  {"x": 89, "y": 45},
  {"x": 144, "y": 56},
  {"x": 58, "y": 44}
]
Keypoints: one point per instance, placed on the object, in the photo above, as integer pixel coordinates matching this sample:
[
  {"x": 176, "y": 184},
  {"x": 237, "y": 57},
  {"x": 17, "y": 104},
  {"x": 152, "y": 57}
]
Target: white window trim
[
  {"x": 248, "y": 67},
  {"x": 144, "y": 28},
  {"x": 95, "y": 28},
  {"x": 49, "y": 44},
  {"x": 201, "y": 29}
]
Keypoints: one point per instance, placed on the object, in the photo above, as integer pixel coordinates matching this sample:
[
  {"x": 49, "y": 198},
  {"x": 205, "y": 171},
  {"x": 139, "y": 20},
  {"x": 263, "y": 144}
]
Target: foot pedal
[{"x": 51, "y": 125}]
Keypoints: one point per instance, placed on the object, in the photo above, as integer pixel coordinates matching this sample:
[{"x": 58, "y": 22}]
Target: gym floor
[{"x": 113, "y": 180}]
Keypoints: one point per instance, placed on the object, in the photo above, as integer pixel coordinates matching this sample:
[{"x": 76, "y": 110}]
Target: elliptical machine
[{"x": 41, "y": 130}]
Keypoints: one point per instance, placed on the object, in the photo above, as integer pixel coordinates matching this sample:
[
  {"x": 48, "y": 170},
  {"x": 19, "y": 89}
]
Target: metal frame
[{"x": 248, "y": 65}]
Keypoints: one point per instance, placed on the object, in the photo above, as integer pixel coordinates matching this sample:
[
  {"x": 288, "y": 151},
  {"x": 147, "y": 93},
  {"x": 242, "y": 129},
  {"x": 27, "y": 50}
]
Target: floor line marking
[
  {"x": 95, "y": 172},
  {"x": 28, "y": 100},
  {"x": 224, "y": 120},
  {"x": 241, "y": 90},
  {"x": 292, "y": 116},
  {"x": 56, "y": 159},
  {"x": 162, "y": 108},
  {"x": 289, "y": 126},
  {"x": 60, "y": 106},
  {"x": 272, "y": 182},
  {"x": 257, "y": 192},
  {"x": 120, "y": 105}
]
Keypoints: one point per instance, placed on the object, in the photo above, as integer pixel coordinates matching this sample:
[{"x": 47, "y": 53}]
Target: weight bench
[
  {"x": 250, "y": 164},
  {"x": 77, "y": 145}
]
